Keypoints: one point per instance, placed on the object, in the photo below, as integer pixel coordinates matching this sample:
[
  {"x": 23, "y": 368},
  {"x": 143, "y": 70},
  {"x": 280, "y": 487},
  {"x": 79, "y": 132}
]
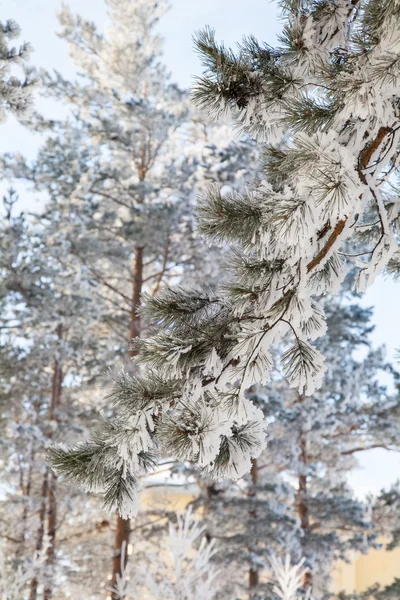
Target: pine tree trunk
[
  {"x": 254, "y": 578},
  {"x": 56, "y": 395},
  {"x": 26, "y": 490},
  {"x": 123, "y": 526},
  {"x": 211, "y": 491},
  {"x": 302, "y": 502},
  {"x": 40, "y": 532},
  {"x": 136, "y": 298},
  {"x": 51, "y": 532},
  {"x": 122, "y": 534}
]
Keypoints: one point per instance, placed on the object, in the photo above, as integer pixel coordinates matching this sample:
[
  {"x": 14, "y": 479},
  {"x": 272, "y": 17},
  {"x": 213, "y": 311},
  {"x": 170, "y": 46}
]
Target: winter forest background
[{"x": 199, "y": 373}]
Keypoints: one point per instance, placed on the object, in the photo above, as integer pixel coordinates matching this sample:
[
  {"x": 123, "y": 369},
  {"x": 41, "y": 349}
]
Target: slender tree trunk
[
  {"x": 122, "y": 534},
  {"x": 136, "y": 298},
  {"x": 123, "y": 526},
  {"x": 56, "y": 396},
  {"x": 302, "y": 501},
  {"x": 254, "y": 577},
  {"x": 26, "y": 490},
  {"x": 40, "y": 532},
  {"x": 51, "y": 532},
  {"x": 210, "y": 491}
]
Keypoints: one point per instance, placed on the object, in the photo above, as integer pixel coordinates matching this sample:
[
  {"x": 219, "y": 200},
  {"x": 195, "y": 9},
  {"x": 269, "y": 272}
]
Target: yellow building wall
[
  {"x": 378, "y": 566},
  {"x": 168, "y": 498},
  {"x": 344, "y": 577},
  {"x": 363, "y": 571}
]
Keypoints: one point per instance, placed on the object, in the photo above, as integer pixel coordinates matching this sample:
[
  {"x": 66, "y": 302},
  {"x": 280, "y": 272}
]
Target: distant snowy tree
[
  {"x": 297, "y": 497},
  {"x": 289, "y": 579},
  {"x": 180, "y": 571},
  {"x": 15, "y": 579},
  {"x": 386, "y": 515},
  {"x": 121, "y": 177},
  {"x": 45, "y": 307}
]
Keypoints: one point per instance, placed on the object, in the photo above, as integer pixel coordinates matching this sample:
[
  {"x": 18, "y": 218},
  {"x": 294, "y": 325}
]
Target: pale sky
[{"x": 231, "y": 19}]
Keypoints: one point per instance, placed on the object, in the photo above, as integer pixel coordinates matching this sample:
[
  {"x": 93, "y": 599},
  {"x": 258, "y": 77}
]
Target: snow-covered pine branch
[
  {"x": 288, "y": 578},
  {"x": 15, "y": 94},
  {"x": 318, "y": 189},
  {"x": 326, "y": 105}
]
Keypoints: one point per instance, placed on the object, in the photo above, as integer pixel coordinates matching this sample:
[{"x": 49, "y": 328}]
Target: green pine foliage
[{"x": 325, "y": 103}]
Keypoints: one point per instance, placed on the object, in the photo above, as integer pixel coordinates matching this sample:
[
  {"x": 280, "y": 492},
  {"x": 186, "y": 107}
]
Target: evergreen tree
[
  {"x": 45, "y": 308},
  {"x": 326, "y": 103},
  {"x": 386, "y": 515},
  {"x": 129, "y": 112},
  {"x": 122, "y": 177},
  {"x": 297, "y": 497},
  {"x": 181, "y": 569}
]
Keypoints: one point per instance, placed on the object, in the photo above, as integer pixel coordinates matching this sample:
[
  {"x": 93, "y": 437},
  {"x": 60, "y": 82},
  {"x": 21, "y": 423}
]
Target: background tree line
[{"x": 120, "y": 178}]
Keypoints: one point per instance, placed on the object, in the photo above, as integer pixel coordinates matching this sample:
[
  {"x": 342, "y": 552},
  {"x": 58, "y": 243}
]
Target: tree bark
[
  {"x": 26, "y": 490},
  {"x": 302, "y": 502},
  {"x": 364, "y": 159},
  {"x": 40, "y": 532},
  {"x": 51, "y": 532},
  {"x": 210, "y": 491},
  {"x": 56, "y": 396},
  {"x": 254, "y": 577},
  {"x": 122, "y": 534},
  {"x": 123, "y": 526},
  {"x": 136, "y": 299}
]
